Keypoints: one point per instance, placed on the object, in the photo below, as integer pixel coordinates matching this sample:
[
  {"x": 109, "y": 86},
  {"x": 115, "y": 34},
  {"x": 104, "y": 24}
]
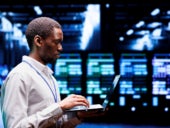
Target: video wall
[{"x": 144, "y": 82}]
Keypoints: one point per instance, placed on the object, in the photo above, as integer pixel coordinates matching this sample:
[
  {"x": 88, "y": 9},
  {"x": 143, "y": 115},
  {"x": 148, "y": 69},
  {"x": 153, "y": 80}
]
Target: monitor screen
[
  {"x": 161, "y": 80},
  {"x": 100, "y": 73},
  {"x": 68, "y": 72},
  {"x": 133, "y": 84}
]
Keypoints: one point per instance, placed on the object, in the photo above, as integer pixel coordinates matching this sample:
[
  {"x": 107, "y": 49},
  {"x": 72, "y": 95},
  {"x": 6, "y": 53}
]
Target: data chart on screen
[
  {"x": 133, "y": 84},
  {"x": 161, "y": 81},
  {"x": 100, "y": 73},
  {"x": 68, "y": 72}
]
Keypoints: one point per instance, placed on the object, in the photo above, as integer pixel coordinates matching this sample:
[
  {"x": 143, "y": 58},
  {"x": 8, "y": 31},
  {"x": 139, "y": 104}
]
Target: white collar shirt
[{"x": 28, "y": 98}]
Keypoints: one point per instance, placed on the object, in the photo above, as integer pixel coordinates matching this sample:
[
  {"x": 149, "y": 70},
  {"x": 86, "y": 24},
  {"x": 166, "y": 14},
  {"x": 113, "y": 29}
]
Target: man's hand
[{"x": 72, "y": 101}]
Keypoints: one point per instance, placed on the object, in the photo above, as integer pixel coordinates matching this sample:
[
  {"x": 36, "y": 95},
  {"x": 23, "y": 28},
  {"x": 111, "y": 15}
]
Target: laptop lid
[{"x": 111, "y": 90}]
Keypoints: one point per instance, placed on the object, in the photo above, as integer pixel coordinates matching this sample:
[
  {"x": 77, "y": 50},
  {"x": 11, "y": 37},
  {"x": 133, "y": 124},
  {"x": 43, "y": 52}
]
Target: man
[{"x": 30, "y": 94}]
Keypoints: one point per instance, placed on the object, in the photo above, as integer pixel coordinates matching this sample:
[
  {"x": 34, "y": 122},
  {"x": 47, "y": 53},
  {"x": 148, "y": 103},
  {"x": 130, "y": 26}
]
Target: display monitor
[
  {"x": 161, "y": 81},
  {"x": 133, "y": 84},
  {"x": 100, "y": 73},
  {"x": 68, "y": 72}
]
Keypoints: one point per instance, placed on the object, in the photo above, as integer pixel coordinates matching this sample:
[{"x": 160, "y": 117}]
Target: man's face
[{"x": 51, "y": 47}]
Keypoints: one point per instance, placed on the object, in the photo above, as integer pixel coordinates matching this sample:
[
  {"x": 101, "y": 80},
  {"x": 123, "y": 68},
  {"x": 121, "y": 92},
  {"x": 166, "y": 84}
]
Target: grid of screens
[
  {"x": 100, "y": 72},
  {"x": 133, "y": 83},
  {"x": 142, "y": 85},
  {"x": 68, "y": 72},
  {"x": 161, "y": 80}
]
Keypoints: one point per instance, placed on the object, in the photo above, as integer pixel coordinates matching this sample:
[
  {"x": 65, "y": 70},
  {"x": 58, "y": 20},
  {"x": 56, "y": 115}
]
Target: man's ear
[{"x": 37, "y": 40}]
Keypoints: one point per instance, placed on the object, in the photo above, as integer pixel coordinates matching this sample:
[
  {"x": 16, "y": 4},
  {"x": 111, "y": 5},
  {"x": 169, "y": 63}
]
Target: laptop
[{"x": 98, "y": 106}]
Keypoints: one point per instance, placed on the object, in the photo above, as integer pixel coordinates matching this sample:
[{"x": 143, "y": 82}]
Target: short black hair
[{"x": 42, "y": 26}]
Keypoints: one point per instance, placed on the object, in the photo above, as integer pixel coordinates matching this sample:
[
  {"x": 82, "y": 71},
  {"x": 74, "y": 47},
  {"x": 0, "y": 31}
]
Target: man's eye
[{"x": 57, "y": 42}]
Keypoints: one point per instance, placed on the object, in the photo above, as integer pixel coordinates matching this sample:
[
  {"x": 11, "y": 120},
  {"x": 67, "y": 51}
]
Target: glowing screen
[
  {"x": 68, "y": 73},
  {"x": 161, "y": 80},
  {"x": 133, "y": 84},
  {"x": 100, "y": 72}
]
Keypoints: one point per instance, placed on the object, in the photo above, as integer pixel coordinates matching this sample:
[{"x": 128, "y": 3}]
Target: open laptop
[{"x": 98, "y": 106}]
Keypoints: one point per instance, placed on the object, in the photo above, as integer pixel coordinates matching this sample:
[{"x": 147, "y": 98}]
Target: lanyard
[{"x": 54, "y": 93}]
